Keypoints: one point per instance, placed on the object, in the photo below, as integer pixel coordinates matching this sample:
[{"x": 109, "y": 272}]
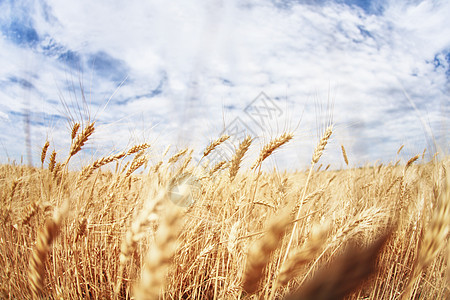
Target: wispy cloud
[{"x": 179, "y": 73}]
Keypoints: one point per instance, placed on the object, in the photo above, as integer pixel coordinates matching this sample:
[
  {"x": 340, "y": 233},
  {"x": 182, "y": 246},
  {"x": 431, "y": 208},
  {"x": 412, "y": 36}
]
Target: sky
[{"x": 183, "y": 73}]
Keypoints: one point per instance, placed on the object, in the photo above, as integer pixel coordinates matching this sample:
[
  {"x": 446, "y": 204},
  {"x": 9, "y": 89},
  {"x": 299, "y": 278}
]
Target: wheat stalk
[
  {"x": 217, "y": 167},
  {"x": 316, "y": 156},
  {"x": 81, "y": 230}
]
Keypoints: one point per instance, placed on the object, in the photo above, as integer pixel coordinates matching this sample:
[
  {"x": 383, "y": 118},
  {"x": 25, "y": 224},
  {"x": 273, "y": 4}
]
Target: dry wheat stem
[
  {"x": 423, "y": 153},
  {"x": 316, "y": 156},
  {"x": 81, "y": 230},
  {"x": 266, "y": 151},
  {"x": 184, "y": 165},
  {"x": 403, "y": 184}
]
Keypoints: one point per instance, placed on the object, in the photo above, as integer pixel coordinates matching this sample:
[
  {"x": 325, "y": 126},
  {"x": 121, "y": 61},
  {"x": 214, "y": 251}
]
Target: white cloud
[{"x": 202, "y": 57}]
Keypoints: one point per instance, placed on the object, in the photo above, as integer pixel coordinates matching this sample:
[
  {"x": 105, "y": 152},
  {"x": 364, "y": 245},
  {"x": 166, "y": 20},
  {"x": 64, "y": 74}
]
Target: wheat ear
[
  {"x": 274, "y": 144},
  {"x": 87, "y": 171},
  {"x": 74, "y": 130},
  {"x": 52, "y": 162},
  {"x": 322, "y": 143},
  {"x": 344, "y": 154},
  {"x": 79, "y": 141},
  {"x": 44, "y": 152},
  {"x": 136, "y": 163},
  {"x": 137, "y": 148},
  {"x": 175, "y": 158},
  {"x": 237, "y": 158},
  {"x": 214, "y": 144}
]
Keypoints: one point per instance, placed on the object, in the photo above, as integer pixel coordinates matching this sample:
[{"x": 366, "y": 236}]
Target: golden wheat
[
  {"x": 344, "y": 154},
  {"x": 239, "y": 154},
  {"x": 434, "y": 236},
  {"x": 214, "y": 144},
  {"x": 269, "y": 148},
  {"x": 260, "y": 253},
  {"x": 124, "y": 238},
  {"x": 79, "y": 141}
]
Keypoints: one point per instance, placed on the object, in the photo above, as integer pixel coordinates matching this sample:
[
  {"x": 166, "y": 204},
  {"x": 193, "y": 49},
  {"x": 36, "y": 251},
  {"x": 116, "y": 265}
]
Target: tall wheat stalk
[{"x": 316, "y": 156}]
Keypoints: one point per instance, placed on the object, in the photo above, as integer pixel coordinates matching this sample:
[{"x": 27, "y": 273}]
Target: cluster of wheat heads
[{"x": 374, "y": 232}]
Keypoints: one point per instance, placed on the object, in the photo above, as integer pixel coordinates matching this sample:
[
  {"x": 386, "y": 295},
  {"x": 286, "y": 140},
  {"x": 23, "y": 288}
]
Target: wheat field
[{"x": 125, "y": 227}]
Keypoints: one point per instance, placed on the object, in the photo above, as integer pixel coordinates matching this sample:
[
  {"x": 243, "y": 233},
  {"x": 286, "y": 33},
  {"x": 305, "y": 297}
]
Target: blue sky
[{"x": 183, "y": 73}]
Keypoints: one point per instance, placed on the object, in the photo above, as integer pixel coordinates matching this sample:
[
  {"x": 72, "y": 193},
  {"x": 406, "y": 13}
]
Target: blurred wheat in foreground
[{"x": 375, "y": 232}]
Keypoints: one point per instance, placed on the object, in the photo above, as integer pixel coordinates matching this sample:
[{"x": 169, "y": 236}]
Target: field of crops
[{"x": 125, "y": 227}]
